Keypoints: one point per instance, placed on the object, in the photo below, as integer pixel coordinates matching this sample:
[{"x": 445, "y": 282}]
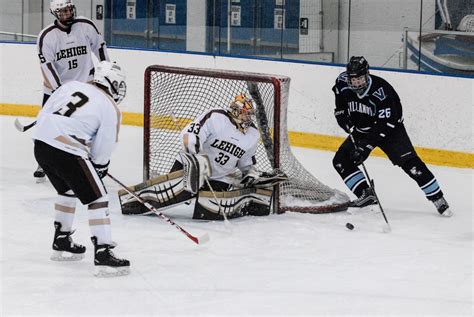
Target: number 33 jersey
[
  {"x": 81, "y": 119},
  {"x": 215, "y": 134}
]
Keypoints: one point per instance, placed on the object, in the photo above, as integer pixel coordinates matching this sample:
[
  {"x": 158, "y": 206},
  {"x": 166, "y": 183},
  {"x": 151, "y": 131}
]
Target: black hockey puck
[{"x": 349, "y": 226}]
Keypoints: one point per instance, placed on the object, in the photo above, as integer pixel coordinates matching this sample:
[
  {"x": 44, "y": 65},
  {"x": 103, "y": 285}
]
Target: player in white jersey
[
  {"x": 219, "y": 145},
  {"x": 65, "y": 50},
  {"x": 76, "y": 132}
]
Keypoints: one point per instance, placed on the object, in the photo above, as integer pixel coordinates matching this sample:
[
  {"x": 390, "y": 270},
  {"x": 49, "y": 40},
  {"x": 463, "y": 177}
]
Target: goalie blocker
[{"x": 187, "y": 184}]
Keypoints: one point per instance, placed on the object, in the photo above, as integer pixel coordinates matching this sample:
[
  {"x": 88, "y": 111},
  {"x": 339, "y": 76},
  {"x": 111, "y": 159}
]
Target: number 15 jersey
[
  {"x": 66, "y": 54},
  {"x": 81, "y": 119}
]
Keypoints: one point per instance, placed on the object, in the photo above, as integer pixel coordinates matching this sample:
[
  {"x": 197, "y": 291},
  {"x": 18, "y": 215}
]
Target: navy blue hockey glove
[
  {"x": 101, "y": 169},
  {"x": 343, "y": 120},
  {"x": 361, "y": 151}
]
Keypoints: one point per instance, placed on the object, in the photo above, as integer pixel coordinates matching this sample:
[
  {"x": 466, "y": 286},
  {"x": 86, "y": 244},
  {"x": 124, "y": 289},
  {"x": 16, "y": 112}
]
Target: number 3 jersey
[
  {"x": 66, "y": 54},
  {"x": 215, "y": 134},
  {"x": 376, "y": 112},
  {"x": 80, "y": 119}
]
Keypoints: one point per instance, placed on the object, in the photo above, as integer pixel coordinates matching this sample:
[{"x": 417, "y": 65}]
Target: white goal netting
[{"x": 175, "y": 96}]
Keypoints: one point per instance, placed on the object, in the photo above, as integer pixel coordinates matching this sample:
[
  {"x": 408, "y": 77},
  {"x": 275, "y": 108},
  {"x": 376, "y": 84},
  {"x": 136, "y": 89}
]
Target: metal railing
[{"x": 17, "y": 36}]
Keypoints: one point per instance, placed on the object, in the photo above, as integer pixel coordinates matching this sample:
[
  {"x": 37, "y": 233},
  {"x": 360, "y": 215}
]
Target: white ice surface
[{"x": 290, "y": 264}]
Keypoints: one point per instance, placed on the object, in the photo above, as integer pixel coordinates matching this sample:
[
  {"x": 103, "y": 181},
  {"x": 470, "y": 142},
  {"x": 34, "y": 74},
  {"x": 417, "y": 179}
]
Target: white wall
[
  {"x": 438, "y": 110},
  {"x": 196, "y": 26},
  {"x": 33, "y": 19}
]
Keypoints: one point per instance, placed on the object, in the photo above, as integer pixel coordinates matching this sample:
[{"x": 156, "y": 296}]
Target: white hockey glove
[
  {"x": 195, "y": 169},
  {"x": 258, "y": 179}
]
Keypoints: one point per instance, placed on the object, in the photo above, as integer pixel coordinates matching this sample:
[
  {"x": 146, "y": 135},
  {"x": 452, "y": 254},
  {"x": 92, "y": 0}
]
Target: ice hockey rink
[{"x": 286, "y": 265}]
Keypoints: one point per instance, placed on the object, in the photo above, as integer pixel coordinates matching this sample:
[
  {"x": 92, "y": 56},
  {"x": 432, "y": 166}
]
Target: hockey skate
[
  {"x": 39, "y": 175},
  {"x": 64, "y": 248},
  {"x": 106, "y": 264},
  {"x": 442, "y": 206},
  {"x": 367, "y": 198}
]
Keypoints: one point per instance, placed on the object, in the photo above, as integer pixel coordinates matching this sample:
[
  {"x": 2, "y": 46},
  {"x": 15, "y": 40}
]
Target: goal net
[{"x": 176, "y": 96}]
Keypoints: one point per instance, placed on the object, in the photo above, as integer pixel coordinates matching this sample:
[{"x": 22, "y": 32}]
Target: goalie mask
[
  {"x": 357, "y": 74},
  {"x": 111, "y": 78},
  {"x": 63, "y": 10},
  {"x": 242, "y": 111}
]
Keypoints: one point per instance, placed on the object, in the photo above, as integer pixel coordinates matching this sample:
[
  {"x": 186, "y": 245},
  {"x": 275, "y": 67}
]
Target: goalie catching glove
[{"x": 258, "y": 179}]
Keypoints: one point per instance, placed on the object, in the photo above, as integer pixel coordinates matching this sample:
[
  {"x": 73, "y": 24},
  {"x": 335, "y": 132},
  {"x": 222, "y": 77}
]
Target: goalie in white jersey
[
  {"x": 76, "y": 132},
  {"x": 65, "y": 51},
  {"x": 218, "y": 156}
]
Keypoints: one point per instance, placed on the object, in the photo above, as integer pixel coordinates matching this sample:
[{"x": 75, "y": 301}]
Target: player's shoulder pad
[
  {"x": 44, "y": 32},
  {"x": 379, "y": 82},
  {"x": 81, "y": 20},
  {"x": 341, "y": 84},
  {"x": 216, "y": 112},
  {"x": 380, "y": 88},
  {"x": 212, "y": 113}
]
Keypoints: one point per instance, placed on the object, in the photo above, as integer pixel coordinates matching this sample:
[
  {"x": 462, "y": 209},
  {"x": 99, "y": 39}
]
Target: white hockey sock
[
  {"x": 99, "y": 220},
  {"x": 65, "y": 208}
]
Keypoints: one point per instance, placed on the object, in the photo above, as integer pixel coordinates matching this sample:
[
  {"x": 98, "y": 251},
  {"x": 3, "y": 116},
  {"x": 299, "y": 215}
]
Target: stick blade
[
  {"x": 19, "y": 126},
  {"x": 22, "y": 128},
  {"x": 386, "y": 229},
  {"x": 204, "y": 239}
]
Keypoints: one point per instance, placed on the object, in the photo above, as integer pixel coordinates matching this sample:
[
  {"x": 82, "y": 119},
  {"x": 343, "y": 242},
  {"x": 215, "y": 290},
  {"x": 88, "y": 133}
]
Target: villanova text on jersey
[
  {"x": 355, "y": 106},
  {"x": 71, "y": 52},
  {"x": 228, "y": 147}
]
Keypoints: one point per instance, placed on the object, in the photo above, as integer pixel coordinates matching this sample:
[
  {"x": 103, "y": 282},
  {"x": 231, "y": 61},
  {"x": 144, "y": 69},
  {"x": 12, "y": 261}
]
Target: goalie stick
[
  {"x": 198, "y": 240},
  {"x": 265, "y": 132},
  {"x": 22, "y": 128},
  {"x": 262, "y": 121},
  {"x": 226, "y": 221}
]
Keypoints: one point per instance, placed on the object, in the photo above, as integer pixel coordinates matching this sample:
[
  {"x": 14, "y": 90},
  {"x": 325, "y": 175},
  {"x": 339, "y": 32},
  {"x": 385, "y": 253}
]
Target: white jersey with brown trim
[
  {"x": 66, "y": 54},
  {"x": 229, "y": 150},
  {"x": 81, "y": 119}
]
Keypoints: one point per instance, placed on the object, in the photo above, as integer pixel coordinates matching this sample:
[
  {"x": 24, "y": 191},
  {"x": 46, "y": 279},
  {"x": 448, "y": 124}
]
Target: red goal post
[{"x": 174, "y": 96}]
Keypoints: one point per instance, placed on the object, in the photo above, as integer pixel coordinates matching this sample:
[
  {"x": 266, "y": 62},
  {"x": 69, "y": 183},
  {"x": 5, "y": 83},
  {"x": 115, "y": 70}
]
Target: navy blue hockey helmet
[{"x": 357, "y": 73}]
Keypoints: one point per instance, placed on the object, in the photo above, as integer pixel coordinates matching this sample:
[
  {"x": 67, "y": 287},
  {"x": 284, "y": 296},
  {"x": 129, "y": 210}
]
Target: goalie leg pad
[
  {"x": 162, "y": 192},
  {"x": 235, "y": 203},
  {"x": 255, "y": 209},
  {"x": 195, "y": 169}
]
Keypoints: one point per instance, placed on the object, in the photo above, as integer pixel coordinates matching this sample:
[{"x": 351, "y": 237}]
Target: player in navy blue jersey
[{"x": 369, "y": 108}]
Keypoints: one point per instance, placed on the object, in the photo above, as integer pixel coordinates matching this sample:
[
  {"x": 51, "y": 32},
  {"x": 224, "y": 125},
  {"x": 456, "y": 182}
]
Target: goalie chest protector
[{"x": 224, "y": 144}]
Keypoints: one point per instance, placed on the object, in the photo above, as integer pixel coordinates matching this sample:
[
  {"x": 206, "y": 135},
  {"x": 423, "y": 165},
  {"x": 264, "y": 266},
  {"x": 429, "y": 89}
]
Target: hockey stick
[
  {"x": 198, "y": 240},
  {"x": 226, "y": 221},
  {"x": 371, "y": 182},
  {"x": 22, "y": 128},
  {"x": 262, "y": 121}
]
